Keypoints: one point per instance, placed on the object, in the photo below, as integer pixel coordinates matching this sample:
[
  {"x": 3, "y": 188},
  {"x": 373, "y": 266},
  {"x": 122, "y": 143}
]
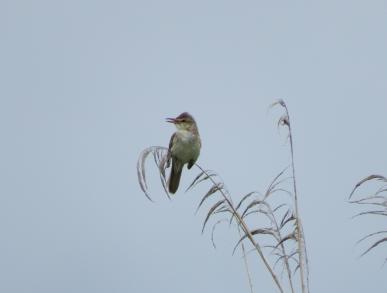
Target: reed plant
[
  {"x": 371, "y": 205},
  {"x": 268, "y": 223}
]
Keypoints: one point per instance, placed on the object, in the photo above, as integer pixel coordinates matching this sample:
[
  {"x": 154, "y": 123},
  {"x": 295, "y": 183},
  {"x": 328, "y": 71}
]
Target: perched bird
[{"x": 184, "y": 147}]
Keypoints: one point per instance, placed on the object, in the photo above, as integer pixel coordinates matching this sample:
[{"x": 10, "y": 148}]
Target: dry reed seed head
[
  {"x": 284, "y": 120},
  {"x": 379, "y": 203},
  {"x": 213, "y": 189},
  {"x": 211, "y": 212},
  {"x": 213, "y": 230},
  {"x": 159, "y": 154},
  {"x": 368, "y": 178},
  {"x": 280, "y": 102},
  {"x": 202, "y": 176}
]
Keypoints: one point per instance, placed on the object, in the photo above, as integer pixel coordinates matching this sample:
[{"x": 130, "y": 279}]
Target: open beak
[{"x": 171, "y": 120}]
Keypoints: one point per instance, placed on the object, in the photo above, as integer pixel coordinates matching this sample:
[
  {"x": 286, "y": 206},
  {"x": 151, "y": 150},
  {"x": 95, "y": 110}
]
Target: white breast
[{"x": 187, "y": 147}]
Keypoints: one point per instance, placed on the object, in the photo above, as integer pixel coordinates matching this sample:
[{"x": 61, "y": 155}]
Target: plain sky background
[{"x": 86, "y": 85}]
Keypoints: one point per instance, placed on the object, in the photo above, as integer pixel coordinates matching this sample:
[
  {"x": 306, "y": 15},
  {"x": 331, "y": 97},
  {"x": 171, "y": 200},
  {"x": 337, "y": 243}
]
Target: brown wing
[
  {"x": 192, "y": 162},
  {"x": 170, "y": 150}
]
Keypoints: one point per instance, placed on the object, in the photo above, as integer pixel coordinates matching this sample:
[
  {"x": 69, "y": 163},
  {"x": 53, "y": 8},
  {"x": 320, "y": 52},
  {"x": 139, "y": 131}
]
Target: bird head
[{"x": 184, "y": 121}]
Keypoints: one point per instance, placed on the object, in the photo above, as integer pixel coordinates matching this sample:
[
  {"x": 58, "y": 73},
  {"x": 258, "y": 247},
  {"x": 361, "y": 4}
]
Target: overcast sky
[{"x": 86, "y": 85}]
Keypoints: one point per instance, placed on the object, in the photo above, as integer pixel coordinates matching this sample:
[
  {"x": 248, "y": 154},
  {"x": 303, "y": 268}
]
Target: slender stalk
[
  {"x": 247, "y": 232},
  {"x": 246, "y": 263},
  {"x": 300, "y": 242}
]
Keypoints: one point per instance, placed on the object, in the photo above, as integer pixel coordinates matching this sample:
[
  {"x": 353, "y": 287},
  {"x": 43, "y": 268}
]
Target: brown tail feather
[{"x": 174, "y": 178}]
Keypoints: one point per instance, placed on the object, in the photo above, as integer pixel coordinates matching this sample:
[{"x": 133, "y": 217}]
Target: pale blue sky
[{"x": 86, "y": 86}]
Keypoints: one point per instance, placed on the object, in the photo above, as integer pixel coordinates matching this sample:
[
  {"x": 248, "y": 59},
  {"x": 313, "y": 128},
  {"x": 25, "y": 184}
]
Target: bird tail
[{"x": 174, "y": 178}]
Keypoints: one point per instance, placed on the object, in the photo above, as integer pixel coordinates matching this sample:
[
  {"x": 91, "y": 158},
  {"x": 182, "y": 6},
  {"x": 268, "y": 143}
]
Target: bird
[{"x": 184, "y": 148}]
